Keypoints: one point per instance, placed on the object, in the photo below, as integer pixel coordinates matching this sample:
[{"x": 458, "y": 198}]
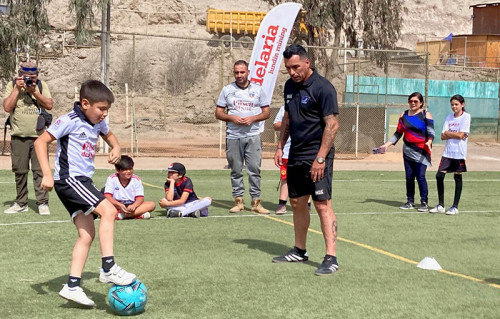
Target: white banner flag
[{"x": 270, "y": 42}]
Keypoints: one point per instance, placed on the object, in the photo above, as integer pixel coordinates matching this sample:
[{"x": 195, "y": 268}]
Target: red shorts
[{"x": 283, "y": 169}]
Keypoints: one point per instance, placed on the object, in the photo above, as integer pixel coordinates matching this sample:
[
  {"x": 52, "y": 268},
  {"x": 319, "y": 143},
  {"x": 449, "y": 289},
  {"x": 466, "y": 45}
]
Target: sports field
[{"x": 220, "y": 266}]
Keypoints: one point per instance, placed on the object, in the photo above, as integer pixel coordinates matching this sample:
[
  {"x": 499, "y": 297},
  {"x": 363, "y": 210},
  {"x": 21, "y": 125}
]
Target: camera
[
  {"x": 28, "y": 81},
  {"x": 378, "y": 150}
]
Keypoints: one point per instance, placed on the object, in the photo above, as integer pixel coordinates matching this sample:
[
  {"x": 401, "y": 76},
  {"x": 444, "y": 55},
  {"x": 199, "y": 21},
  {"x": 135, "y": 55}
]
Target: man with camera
[{"x": 25, "y": 98}]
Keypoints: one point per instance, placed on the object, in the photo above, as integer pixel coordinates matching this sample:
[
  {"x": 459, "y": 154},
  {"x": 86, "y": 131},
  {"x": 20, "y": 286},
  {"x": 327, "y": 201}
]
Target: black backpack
[{"x": 46, "y": 115}]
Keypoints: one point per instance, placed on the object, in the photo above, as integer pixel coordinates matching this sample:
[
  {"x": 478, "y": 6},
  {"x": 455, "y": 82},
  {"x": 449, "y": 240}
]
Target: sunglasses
[{"x": 25, "y": 69}]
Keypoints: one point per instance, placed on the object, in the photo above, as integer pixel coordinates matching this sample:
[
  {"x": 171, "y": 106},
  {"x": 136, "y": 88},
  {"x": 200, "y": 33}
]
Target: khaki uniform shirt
[{"x": 24, "y": 116}]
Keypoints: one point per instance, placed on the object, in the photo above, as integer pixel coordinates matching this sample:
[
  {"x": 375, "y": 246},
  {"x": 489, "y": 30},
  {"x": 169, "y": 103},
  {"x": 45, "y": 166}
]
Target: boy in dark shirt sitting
[{"x": 180, "y": 199}]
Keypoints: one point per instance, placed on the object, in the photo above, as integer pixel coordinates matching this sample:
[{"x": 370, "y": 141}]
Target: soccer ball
[{"x": 128, "y": 300}]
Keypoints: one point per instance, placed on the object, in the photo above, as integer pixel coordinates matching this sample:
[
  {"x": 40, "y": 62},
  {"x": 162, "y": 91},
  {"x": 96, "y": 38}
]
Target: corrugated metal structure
[
  {"x": 439, "y": 50},
  {"x": 472, "y": 50},
  {"x": 389, "y": 97},
  {"x": 486, "y": 17},
  {"x": 478, "y": 50}
]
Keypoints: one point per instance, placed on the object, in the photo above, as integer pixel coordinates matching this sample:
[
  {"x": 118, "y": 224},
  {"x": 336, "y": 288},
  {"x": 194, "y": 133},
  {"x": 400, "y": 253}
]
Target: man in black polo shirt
[{"x": 311, "y": 120}]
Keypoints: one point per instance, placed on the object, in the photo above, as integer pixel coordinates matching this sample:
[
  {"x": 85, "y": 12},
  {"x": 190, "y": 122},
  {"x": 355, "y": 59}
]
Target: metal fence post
[
  {"x": 134, "y": 120},
  {"x": 221, "y": 61},
  {"x": 426, "y": 105},
  {"x": 164, "y": 115},
  {"x": 126, "y": 104}
]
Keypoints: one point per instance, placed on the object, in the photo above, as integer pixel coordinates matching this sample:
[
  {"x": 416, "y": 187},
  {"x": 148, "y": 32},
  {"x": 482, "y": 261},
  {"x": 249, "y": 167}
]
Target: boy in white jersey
[
  {"x": 456, "y": 130},
  {"x": 125, "y": 191},
  {"x": 77, "y": 133}
]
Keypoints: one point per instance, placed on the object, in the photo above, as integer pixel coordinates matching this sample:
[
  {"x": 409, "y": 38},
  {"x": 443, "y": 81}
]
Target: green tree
[
  {"x": 27, "y": 22},
  {"x": 380, "y": 22},
  {"x": 381, "y": 27},
  {"x": 21, "y": 31},
  {"x": 84, "y": 14}
]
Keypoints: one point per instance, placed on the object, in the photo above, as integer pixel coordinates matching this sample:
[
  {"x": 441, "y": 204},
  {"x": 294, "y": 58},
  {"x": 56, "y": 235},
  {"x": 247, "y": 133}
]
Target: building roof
[{"x": 484, "y": 4}]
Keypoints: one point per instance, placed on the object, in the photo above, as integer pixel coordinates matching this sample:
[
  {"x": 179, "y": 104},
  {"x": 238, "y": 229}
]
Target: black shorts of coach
[
  {"x": 452, "y": 165},
  {"x": 79, "y": 195},
  {"x": 300, "y": 183}
]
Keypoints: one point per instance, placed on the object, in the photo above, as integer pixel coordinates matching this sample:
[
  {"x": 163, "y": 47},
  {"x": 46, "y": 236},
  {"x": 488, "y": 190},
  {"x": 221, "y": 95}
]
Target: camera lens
[{"x": 28, "y": 81}]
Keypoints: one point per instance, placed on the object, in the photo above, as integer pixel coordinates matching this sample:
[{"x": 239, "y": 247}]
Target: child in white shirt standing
[{"x": 456, "y": 130}]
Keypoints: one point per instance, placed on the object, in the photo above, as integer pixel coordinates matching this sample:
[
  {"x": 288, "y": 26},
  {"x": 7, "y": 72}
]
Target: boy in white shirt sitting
[{"x": 125, "y": 191}]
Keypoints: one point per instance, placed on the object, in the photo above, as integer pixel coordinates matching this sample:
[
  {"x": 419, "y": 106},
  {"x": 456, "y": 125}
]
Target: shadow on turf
[
  {"x": 495, "y": 281},
  {"x": 384, "y": 202},
  {"x": 53, "y": 287},
  {"x": 273, "y": 249},
  {"x": 31, "y": 204},
  {"x": 227, "y": 204}
]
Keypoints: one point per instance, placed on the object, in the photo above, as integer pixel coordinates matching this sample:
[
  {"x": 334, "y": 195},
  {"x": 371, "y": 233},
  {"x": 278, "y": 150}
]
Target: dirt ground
[{"x": 481, "y": 156}]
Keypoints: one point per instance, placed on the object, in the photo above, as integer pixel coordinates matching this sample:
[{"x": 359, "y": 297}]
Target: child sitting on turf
[
  {"x": 125, "y": 191},
  {"x": 180, "y": 199},
  {"x": 77, "y": 133}
]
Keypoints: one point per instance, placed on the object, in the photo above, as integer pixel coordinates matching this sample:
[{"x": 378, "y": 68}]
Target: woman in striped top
[{"x": 416, "y": 127}]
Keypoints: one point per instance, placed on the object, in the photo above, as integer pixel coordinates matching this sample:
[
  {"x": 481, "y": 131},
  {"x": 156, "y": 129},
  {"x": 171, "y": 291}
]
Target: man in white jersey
[
  {"x": 455, "y": 132},
  {"x": 244, "y": 103}
]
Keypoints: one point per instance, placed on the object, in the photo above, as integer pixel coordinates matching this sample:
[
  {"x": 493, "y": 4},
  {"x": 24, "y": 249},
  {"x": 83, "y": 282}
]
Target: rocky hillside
[
  {"x": 423, "y": 19},
  {"x": 431, "y": 19}
]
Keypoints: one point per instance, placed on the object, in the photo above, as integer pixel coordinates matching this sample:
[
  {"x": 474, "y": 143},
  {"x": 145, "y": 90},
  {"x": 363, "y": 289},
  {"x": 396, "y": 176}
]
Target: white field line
[
  {"x": 429, "y": 178},
  {"x": 486, "y": 158},
  {"x": 256, "y": 216},
  {"x": 351, "y": 180}
]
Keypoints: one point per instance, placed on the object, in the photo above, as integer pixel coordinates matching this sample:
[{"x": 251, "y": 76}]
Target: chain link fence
[{"x": 166, "y": 90}]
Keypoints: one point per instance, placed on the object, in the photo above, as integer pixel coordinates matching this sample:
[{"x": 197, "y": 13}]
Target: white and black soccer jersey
[
  {"x": 242, "y": 102},
  {"x": 127, "y": 194},
  {"x": 76, "y": 144},
  {"x": 456, "y": 148}
]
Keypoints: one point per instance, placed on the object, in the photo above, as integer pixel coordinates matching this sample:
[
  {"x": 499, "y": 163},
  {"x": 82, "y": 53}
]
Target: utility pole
[{"x": 105, "y": 42}]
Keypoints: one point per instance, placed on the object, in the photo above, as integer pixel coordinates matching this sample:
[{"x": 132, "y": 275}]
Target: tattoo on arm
[
  {"x": 335, "y": 229},
  {"x": 331, "y": 128},
  {"x": 285, "y": 130}
]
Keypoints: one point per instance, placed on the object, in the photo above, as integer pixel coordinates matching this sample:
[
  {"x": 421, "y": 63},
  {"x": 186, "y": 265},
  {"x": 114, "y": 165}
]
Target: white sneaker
[
  {"x": 452, "y": 211},
  {"x": 117, "y": 275},
  {"x": 437, "y": 209},
  {"x": 16, "y": 208},
  {"x": 43, "y": 209},
  {"x": 146, "y": 215},
  {"x": 76, "y": 294}
]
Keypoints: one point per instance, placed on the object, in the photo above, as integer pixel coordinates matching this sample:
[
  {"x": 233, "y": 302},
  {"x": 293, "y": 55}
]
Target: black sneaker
[
  {"x": 328, "y": 267},
  {"x": 423, "y": 207},
  {"x": 292, "y": 256},
  {"x": 173, "y": 213},
  {"x": 195, "y": 214},
  {"x": 407, "y": 205}
]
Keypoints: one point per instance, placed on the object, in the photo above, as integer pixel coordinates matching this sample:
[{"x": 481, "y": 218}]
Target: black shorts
[
  {"x": 78, "y": 195},
  {"x": 452, "y": 165},
  {"x": 300, "y": 183}
]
